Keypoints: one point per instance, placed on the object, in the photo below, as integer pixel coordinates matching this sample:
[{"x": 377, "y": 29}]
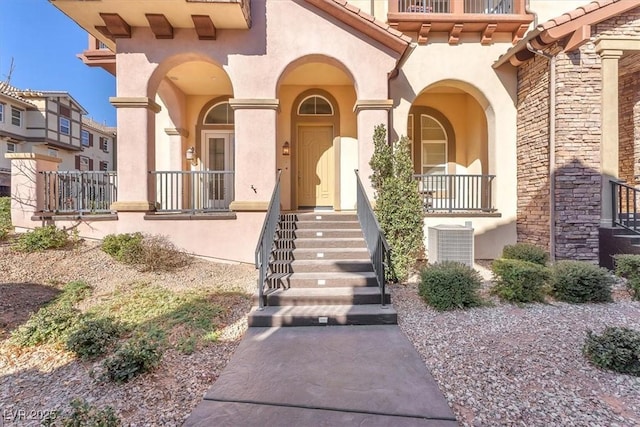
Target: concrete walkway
[{"x": 324, "y": 376}]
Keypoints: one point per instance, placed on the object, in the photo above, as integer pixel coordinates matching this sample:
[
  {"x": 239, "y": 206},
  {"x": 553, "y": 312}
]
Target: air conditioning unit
[{"x": 451, "y": 243}]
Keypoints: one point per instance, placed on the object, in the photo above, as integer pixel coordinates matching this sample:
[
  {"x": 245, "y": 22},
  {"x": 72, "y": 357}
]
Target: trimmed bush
[
  {"x": 617, "y": 349},
  {"x": 125, "y": 247},
  {"x": 519, "y": 281},
  {"x": 628, "y": 266},
  {"x": 41, "y": 238},
  {"x": 135, "y": 357},
  {"x": 581, "y": 282},
  {"x": 84, "y": 414},
  {"x": 50, "y": 324},
  {"x": 450, "y": 285},
  {"x": 93, "y": 337},
  {"x": 526, "y": 252}
]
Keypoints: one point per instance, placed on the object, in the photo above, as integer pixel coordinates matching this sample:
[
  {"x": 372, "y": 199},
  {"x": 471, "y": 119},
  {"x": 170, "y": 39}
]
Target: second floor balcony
[{"x": 482, "y": 20}]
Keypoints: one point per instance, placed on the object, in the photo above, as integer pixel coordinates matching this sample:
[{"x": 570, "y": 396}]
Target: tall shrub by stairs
[{"x": 398, "y": 203}]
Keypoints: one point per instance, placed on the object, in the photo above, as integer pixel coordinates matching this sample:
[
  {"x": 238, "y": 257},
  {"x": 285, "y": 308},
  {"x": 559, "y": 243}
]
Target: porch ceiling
[
  {"x": 200, "y": 78},
  {"x": 111, "y": 19},
  {"x": 317, "y": 73}
]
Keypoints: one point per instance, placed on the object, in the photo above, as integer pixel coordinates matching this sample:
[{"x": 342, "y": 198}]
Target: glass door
[{"x": 218, "y": 168}]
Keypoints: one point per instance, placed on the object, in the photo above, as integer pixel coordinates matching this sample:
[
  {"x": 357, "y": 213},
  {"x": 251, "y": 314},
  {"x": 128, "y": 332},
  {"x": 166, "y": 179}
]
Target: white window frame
[
  {"x": 229, "y": 116},
  {"x": 445, "y": 142},
  {"x": 315, "y": 106},
  {"x": 104, "y": 144},
  {"x": 12, "y": 147},
  {"x": 63, "y": 126},
  {"x": 106, "y": 166},
  {"x": 84, "y": 132},
  {"x": 1, "y": 112},
  {"x": 19, "y": 116},
  {"x": 84, "y": 163},
  {"x": 410, "y": 136}
]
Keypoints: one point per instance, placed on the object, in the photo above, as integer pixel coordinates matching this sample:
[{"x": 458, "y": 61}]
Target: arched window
[
  {"x": 315, "y": 105},
  {"x": 219, "y": 114},
  {"x": 434, "y": 146}
]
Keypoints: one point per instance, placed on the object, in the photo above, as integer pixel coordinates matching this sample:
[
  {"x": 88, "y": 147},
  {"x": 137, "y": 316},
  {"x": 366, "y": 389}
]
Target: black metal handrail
[
  {"x": 624, "y": 206},
  {"x": 456, "y": 193},
  {"x": 193, "y": 191},
  {"x": 379, "y": 249},
  {"x": 267, "y": 239},
  {"x": 79, "y": 192},
  {"x": 490, "y": 7}
]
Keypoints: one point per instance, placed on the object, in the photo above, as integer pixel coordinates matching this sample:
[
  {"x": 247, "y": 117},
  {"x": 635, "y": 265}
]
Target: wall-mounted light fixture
[
  {"x": 285, "y": 148},
  {"x": 190, "y": 155}
]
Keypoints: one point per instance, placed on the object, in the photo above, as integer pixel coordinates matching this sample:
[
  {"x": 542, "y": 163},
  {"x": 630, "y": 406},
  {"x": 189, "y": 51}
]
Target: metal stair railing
[
  {"x": 266, "y": 240},
  {"x": 379, "y": 249},
  {"x": 624, "y": 206}
]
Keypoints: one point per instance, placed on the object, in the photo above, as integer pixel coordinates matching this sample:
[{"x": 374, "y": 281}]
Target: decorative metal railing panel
[
  {"x": 193, "y": 191},
  {"x": 377, "y": 245},
  {"x": 624, "y": 206},
  {"x": 456, "y": 193},
  {"x": 490, "y": 7},
  {"x": 79, "y": 192},
  {"x": 267, "y": 239}
]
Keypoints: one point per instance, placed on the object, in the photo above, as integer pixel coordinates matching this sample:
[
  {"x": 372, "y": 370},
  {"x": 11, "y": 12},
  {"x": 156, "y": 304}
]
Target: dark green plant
[
  {"x": 628, "y": 266},
  {"x": 135, "y": 357},
  {"x": 581, "y": 282},
  {"x": 5, "y": 217},
  {"x": 74, "y": 292},
  {"x": 41, "y": 238},
  {"x": 526, "y": 252},
  {"x": 398, "y": 204},
  {"x": 93, "y": 337},
  {"x": 617, "y": 349},
  {"x": 125, "y": 247},
  {"x": 85, "y": 415},
  {"x": 519, "y": 281},
  {"x": 450, "y": 285}
]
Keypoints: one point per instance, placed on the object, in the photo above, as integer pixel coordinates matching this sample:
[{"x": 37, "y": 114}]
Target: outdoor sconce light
[
  {"x": 285, "y": 148},
  {"x": 191, "y": 156}
]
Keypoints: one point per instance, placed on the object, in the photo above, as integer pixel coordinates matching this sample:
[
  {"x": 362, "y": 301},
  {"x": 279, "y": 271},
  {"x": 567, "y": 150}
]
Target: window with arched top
[
  {"x": 315, "y": 105},
  {"x": 434, "y": 146},
  {"x": 219, "y": 114}
]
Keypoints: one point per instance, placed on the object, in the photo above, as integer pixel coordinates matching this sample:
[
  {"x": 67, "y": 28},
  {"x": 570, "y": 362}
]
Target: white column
[
  {"x": 136, "y": 153},
  {"x": 255, "y": 153}
]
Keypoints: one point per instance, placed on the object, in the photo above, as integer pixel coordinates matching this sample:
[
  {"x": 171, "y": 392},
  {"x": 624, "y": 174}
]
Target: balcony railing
[
  {"x": 490, "y": 7},
  {"x": 193, "y": 191},
  {"x": 456, "y": 193},
  {"x": 79, "y": 192}
]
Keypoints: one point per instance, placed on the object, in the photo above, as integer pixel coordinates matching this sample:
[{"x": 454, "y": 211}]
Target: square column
[
  {"x": 136, "y": 153},
  {"x": 370, "y": 113},
  {"x": 255, "y": 153}
]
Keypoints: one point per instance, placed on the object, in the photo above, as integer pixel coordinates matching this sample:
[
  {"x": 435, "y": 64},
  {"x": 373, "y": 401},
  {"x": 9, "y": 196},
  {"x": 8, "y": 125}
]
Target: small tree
[{"x": 398, "y": 204}]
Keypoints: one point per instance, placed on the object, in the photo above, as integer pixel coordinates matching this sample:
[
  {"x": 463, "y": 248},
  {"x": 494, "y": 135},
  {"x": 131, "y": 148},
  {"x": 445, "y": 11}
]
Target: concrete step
[
  {"x": 327, "y": 216},
  {"x": 329, "y": 280},
  {"x": 321, "y": 225},
  {"x": 331, "y": 265},
  {"x": 330, "y": 253},
  {"x": 338, "y": 242},
  {"x": 324, "y": 296},
  {"x": 320, "y": 315},
  {"x": 328, "y": 233}
]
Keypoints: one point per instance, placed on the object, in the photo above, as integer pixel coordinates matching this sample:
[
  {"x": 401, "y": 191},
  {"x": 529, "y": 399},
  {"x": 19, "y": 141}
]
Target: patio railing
[
  {"x": 490, "y": 7},
  {"x": 193, "y": 191},
  {"x": 456, "y": 193},
  {"x": 79, "y": 192},
  {"x": 625, "y": 205}
]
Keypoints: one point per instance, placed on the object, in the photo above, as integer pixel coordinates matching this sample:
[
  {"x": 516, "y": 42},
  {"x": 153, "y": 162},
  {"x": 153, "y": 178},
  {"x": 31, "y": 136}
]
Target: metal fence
[
  {"x": 456, "y": 193},
  {"x": 444, "y": 6},
  {"x": 625, "y": 204},
  {"x": 79, "y": 192},
  {"x": 193, "y": 191}
]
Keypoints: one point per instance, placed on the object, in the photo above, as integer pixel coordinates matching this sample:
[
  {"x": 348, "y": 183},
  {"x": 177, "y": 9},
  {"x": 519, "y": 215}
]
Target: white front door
[{"x": 217, "y": 157}]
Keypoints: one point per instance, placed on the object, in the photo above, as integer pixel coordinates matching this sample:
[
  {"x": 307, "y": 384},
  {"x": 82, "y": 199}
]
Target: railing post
[{"x": 614, "y": 196}]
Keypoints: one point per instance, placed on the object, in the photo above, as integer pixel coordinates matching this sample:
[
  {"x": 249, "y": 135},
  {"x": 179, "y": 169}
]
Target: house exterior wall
[{"x": 629, "y": 95}]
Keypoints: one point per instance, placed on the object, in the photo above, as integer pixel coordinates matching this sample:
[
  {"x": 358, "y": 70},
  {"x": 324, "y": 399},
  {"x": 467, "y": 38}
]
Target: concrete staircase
[{"x": 321, "y": 274}]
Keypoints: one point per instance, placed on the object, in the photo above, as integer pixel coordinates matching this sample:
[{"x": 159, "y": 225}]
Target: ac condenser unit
[{"x": 451, "y": 243}]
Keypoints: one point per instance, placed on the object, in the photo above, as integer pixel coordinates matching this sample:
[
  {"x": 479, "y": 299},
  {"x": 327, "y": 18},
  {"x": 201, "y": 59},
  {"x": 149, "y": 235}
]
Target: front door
[
  {"x": 218, "y": 168},
  {"x": 315, "y": 166}
]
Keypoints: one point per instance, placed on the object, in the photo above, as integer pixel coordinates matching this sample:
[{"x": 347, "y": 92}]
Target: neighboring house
[
  {"x": 98, "y": 144},
  {"x": 214, "y": 97}
]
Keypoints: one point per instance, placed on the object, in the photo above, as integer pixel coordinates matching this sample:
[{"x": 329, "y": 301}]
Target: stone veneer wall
[{"x": 533, "y": 152}]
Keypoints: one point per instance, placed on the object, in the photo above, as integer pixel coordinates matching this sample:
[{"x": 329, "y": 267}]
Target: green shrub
[
  {"x": 41, "y": 238},
  {"x": 137, "y": 356},
  {"x": 628, "y": 266},
  {"x": 526, "y": 252},
  {"x": 124, "y": 247},
  {"x": 83, "y": 414},
  {"x": 74, "y": 292},
  {"x": 5, "y": 217},
  {"x": 450, "y": 285},
  {"x": 519, "y": 281},
  {"x": 93, "y": 337},
  {"x": 398, "y": 204},
  {"x": 50, "y": 324},
  {"x": 581, "y": 282},
  {"x": 617, "y": 349}
]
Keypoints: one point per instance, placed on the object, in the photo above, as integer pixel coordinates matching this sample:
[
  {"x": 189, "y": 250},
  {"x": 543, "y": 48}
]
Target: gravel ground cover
[{"x": 511, "y": 365}]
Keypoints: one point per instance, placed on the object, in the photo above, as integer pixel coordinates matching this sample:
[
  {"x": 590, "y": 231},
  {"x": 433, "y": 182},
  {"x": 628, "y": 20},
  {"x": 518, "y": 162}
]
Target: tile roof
[
  {"x": 576, "y": 13},
  {"x": 12, "y": 92}
]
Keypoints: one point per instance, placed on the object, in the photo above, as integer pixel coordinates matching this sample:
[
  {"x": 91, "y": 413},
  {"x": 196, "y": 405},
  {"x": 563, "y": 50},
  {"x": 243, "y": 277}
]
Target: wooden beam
[
  {"x": 454, "y": 35},
  {"x": 116, "y": 26},
  {"x": 519, "y": 33},
  {"x": 578, "y": 38},
  {"x": 204, "y": 27},
  {"x": 423, "y": 35},
  {"x": 487, "y": 34},
  {"x": 160, "y": 25},
  {"x": 104, "y": 31}
]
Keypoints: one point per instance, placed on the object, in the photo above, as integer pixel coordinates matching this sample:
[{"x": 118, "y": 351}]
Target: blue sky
[{"x": 44, "y": 43}]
